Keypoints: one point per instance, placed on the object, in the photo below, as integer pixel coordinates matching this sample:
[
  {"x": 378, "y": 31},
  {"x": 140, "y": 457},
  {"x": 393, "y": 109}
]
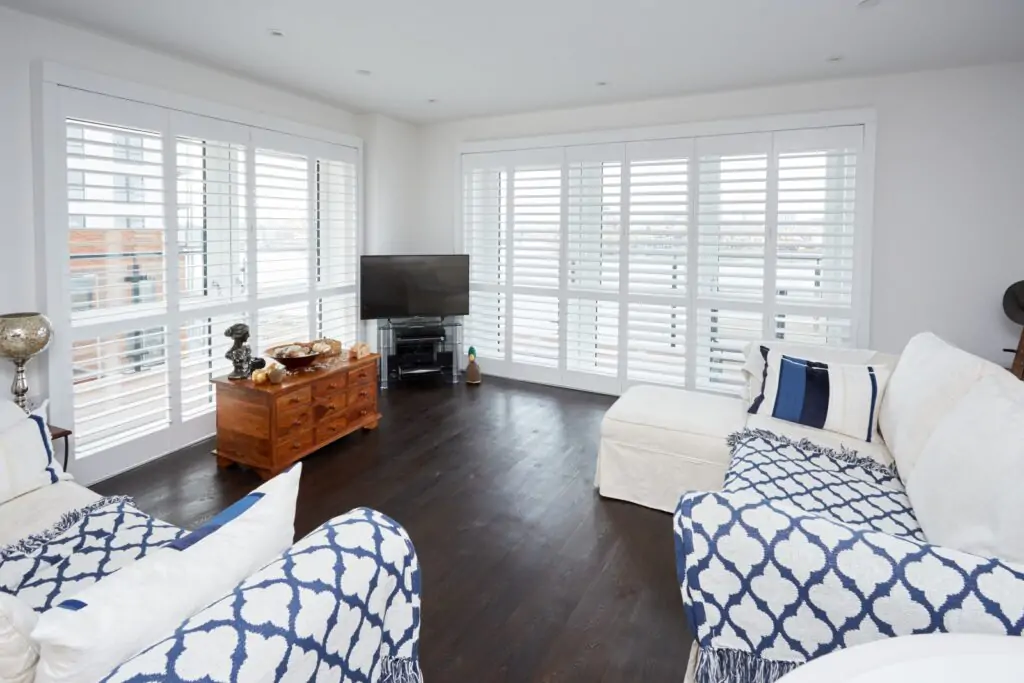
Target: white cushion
[
  {"x": 38, "y": 510},
  {"x": 929, "y": 380},
  {"x": 84, "y": 638},
  {"x": 829, "y": 396},
  {"x": 18, "y": 652},
  {"x": 754, "y": 362},
  {"x": 968, "y": 482},
  {"x": 27, "y": 460}
]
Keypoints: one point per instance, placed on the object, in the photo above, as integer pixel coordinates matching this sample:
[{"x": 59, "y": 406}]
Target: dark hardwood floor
[{"x": 528, "y": 575}]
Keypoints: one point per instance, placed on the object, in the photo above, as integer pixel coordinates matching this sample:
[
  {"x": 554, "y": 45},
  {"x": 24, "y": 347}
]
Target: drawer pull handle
[
  {"x": 296, "y": 445},
  {"x": 332, "y": 386},
  {"x": 363, "y": 412},
  {"x": 294, "y": 400},
  {"x": 297, "y": 422},
  {"x": 329, "y": 408}
]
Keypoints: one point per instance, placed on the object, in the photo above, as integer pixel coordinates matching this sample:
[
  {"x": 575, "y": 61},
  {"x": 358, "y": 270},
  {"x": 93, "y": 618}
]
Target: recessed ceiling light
[
  {"x": 601, "y": 84},
  {"x": 276, "y": 32},
  {"x": 363, "y": 72},
  {"x": 869, "y": 3},
  {"x": 834, "y": 59},
  {"x": 431, "y": 101}
]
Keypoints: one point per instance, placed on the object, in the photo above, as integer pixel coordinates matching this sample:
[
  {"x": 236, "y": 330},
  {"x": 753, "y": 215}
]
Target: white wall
[
  {"x": 949, "y": 181},
  {"x": 25, "y": 39},
  {"x": 392, "y": 187}
]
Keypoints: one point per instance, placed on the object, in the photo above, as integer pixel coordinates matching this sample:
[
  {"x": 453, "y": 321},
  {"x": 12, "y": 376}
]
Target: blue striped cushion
[{"x": 837, "y": 398}]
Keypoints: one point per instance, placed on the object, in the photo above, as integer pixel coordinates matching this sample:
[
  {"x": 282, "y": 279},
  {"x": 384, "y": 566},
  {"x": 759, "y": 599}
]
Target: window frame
[
  {"x": 512, "y": 149},
  {"x": 67, "y": 93}
]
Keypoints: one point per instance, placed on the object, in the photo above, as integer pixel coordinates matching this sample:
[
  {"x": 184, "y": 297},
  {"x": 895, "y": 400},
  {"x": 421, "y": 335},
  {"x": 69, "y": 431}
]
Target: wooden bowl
[{"x": 294, "y": 363}]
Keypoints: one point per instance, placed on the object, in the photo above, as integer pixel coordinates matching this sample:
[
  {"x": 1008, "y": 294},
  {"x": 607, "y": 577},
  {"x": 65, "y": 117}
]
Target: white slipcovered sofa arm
[
  {"x": 342, "y": 604},
  {"x": 767, "y": 586}
]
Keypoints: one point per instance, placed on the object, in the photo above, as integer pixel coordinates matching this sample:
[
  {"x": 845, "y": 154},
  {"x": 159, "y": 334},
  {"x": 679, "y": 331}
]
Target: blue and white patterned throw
[
  {"x": 343, "y": 605},
  {"x": 806, "y": 551},
  {"x": 83, "y": 547}
]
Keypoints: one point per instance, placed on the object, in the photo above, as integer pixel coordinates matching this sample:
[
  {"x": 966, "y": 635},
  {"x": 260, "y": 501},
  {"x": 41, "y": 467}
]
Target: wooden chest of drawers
[{"x": 268, "y": 427}]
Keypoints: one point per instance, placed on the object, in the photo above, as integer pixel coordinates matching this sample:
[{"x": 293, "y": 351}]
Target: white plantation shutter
[
  {"x": 178, "y": 226},
  {"x": 282, "y": 222},
  {"x": 536, "y": 226},
  {"x": 593, "y": 259},
  {"x": 338, "y": 318},
  {"x": 213, "y": 230},
  {"x": 116, "y": 221},
  {"x": 732, "y": 214},
  {"x": 282, "y": 324},
  {"x": 659, "y": 260},
  {"x": 815, "y": 253},
  {"x": 122, "y": 388},
  {"x": 337, "y": 241},
  {"x": 722, "y": 336},
  {"x": 659, "y": 218},
  {"x": 203, "y": 348},
  {"x": 536, "y": 218},
  {"x": 485, "y": 239},
  {"x": 657, "y": 344}
]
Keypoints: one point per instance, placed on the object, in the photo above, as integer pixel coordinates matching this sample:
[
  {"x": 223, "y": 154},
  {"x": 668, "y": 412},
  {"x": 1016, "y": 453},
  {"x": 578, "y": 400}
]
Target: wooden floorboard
[{"x": 528, "y": 575}]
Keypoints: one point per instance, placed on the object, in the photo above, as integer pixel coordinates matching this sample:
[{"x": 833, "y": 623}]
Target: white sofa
[
  {"x": 58, "y": 539},
  {"x": 659, "y": 442},
  {"x": 808, "y": 542}
]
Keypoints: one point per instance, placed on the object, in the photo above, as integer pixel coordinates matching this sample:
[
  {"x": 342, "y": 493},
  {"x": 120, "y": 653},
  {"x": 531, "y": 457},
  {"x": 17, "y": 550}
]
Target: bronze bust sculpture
[{"x": 240, "y": 354}]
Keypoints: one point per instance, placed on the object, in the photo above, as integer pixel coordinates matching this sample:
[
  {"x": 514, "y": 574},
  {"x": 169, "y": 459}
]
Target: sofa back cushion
[
  {"x": 967, "y": 484},
  {"x": 929, "y": 380},
  {"x": 85, "y": 637},
  {"x": 27, "y": 460}
]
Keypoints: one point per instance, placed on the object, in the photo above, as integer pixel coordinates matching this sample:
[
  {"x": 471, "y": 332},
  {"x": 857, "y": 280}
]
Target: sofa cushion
[
  {"x": 929, "y": 380},
  {"x": 27, "y": 462},
  {"x": 18, "y": 652},
  {"x": 85, "y": 637},
  {"x": 968, "y": 481},
  {"x": 834, "y": 397}
]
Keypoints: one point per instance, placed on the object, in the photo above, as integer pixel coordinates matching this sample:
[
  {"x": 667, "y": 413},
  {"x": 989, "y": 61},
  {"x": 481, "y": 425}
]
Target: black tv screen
[{"x": 414, "y": 286}]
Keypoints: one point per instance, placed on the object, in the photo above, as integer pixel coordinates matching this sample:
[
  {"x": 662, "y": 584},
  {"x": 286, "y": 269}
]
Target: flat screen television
[{"x": 414, "y": 286}]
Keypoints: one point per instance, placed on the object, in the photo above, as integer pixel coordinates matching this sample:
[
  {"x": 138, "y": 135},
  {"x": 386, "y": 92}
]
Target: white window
[
  {"x": 658, "y": 260},
  {"x": 176, "y": 227}
]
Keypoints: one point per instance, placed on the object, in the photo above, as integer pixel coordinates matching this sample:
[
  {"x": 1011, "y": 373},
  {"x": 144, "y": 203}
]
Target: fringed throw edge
[
  {"x": 31, "y": 543},
  {"x": 400, "y": 670},
  {"x": 723, "y": 665},
  {"x": 844, "y": 454}
]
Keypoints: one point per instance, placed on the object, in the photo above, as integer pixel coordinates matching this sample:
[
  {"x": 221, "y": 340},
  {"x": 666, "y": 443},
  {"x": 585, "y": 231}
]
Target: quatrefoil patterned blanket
[
  {"x": 342, "y": 604},
  {"x": 807, "y": 550}
]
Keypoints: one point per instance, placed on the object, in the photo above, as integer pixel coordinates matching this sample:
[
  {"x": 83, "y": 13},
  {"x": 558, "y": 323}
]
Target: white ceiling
[{"x": 478, "y": 57}]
